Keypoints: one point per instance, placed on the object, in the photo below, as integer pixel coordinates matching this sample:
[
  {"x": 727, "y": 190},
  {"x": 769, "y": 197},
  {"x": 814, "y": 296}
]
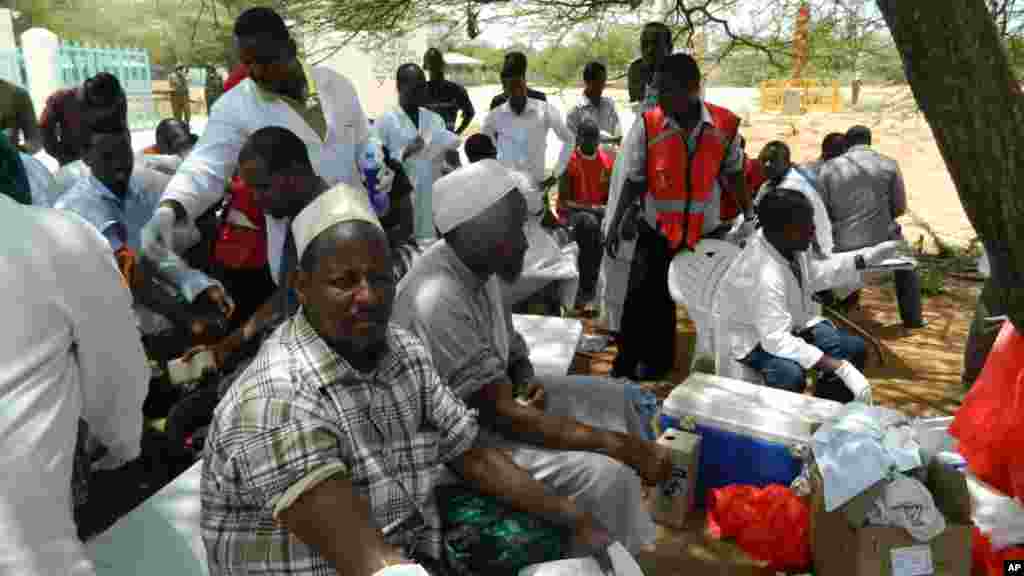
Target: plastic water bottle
[{"x": 371, "y": 164}]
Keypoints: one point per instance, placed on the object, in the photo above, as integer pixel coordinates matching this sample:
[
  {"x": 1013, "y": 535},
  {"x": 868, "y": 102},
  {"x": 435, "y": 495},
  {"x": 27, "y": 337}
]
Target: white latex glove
[
  {"x": 403, "y": 570},
  {"x": 158, "y": 233},
  {"x": 854, "y": 381},
  {"x": 875, "y": 255}
]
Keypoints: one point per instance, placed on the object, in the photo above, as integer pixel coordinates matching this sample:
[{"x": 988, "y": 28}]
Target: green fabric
[
  {"x": 482, "y": 536},
  {"x": 13, "y": 180}
]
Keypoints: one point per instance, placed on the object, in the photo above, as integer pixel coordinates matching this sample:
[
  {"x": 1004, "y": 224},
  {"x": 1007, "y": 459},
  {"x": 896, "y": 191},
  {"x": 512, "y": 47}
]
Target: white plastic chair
[{"x": 693, "y": 279}]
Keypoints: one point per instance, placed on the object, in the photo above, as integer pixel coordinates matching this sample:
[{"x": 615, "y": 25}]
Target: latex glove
[
  {"x": 854, "y": 381},
  {"x": 875, "y": 255},
  {"x": 159, "y": 231},
  {"x": 403, "y": 570}
]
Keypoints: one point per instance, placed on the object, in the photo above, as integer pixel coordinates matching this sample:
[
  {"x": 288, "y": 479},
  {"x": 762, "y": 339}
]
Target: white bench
[{"x": 162, "y": 537}]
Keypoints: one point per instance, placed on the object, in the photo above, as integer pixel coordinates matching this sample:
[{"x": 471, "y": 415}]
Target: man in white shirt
[
  {"x": 316, "y": 103},
  {"x": 519, "y": 128},
  {"x": 769, "y": 320},
  {"x": 597, "y": 107},
  {"x": 70, "y": 350},
  {"x": 418, "y": 137}
]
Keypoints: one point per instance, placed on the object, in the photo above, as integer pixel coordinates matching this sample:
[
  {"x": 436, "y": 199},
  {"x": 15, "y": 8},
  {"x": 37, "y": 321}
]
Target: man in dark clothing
[
  {"x": 655, "y": 46},
  {"x": 517, "y": 61},
  {"x": 71, "y": 115},
  {"x": 445, "y": 97}
]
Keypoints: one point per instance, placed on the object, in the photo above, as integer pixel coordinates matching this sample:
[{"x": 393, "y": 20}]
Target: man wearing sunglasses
[{"x": 315, "y": 103}]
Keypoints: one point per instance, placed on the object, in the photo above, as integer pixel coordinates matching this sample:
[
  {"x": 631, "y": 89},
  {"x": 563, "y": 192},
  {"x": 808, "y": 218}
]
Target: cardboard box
[
  {"x": 841, "y": 549},
  {"x": 675, "y": 498}
]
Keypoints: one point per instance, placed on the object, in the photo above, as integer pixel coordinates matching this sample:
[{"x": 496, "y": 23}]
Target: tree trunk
[{"x": 958, "y": 71}]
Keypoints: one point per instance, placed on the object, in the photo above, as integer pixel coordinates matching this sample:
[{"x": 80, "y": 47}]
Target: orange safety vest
[{"x": 680, "y": 181}]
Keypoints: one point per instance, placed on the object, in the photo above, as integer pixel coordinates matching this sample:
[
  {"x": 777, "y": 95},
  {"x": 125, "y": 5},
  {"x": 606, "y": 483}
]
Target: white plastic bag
[{"x": 998, "y": 516}]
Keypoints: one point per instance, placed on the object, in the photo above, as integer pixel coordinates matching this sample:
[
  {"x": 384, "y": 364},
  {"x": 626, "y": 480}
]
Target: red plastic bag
[
  {"x": 771, "y": 523},
  {"x": 988, "y": 562},
  {"x": 991, "y": 436},
  {"x": 989, "y": 424}
]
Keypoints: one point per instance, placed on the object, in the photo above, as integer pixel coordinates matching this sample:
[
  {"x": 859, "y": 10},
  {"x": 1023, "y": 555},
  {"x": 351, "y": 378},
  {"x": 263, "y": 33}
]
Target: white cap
[
  {"x": 343, "y": 203},
  {"x": 468, "y": 192}
]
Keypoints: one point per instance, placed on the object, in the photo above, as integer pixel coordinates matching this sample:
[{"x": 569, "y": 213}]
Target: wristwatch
[{"x": 859, "y": 263}]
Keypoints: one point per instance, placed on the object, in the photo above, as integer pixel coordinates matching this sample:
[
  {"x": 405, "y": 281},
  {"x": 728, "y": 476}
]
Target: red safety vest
[{"x": 680, "y": 181}]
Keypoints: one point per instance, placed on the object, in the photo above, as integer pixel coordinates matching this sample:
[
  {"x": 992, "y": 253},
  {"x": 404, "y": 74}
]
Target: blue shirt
[{"x": 120, "y": 220}]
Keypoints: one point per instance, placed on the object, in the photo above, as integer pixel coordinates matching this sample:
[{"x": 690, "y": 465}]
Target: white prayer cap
[
  {"x": 469, "y": 191},
  {"x": 343, "y": 203}
]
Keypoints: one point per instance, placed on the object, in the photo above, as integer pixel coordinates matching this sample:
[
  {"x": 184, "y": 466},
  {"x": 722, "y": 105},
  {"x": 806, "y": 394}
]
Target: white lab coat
[
  {"x": 70, "y": 349},
  {"x": 200, "y": 180},
  {"x": 395, "y": 131}
]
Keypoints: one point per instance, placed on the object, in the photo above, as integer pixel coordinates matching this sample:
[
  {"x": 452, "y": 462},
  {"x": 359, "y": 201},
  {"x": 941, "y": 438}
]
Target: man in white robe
[{"x": 418, "y": 137}]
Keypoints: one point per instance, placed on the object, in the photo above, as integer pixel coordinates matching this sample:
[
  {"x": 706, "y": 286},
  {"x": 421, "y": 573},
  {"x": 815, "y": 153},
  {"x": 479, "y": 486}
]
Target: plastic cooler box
[{"x": 750, "y": 434}]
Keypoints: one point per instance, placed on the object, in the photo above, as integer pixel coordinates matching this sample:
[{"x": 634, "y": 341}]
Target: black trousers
[
  {"x": 586, "y": 230},
  {"x": 648, "y": 327}
]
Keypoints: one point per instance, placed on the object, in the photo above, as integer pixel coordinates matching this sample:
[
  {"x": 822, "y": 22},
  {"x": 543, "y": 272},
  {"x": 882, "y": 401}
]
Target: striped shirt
[{"x": 300, "y": 411}]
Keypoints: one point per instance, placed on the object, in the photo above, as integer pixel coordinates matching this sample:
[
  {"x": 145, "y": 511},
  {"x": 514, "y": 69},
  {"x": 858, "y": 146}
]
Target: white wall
[{"x": 373, "y": 73}]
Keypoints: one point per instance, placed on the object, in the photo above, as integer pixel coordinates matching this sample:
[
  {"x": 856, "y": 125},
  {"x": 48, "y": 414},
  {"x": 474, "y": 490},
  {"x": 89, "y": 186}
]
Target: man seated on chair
[
  {"x": 324, "y": 454},
  {"x": 579, "y": 435},
  {"x": 582, "y": 197},
  {"x": 769, "y": 321}
]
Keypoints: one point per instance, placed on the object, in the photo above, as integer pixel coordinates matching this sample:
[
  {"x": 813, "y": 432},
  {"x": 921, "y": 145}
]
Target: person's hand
[
  {"x": 652, "y": 461},
  {"x": 875, "y": 255},
  {"x": 217, "y": 296},
  {"x": 611, "y": 241},
  {"x": 414, "y": 147},
  {"x": 854, "y": 381},
  {"x": 589, "y": 537},
  {"x": 746, "y": 229},
  {"x": 159, "y": 231},
  {"x": 548, "y": 182},
  {"x": 535, "y": 396},
  {"x": 216, "y": 350}
]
